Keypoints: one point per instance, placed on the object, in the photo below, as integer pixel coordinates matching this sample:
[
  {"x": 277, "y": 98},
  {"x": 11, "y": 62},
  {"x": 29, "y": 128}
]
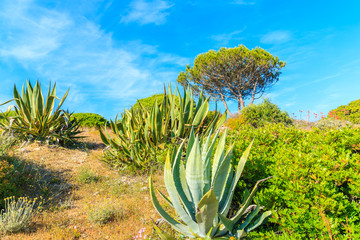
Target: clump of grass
[
  {"x": 88, "y": 176},
  {"x": 17, "y": 215},
  {"x": 104, "y": 212}
]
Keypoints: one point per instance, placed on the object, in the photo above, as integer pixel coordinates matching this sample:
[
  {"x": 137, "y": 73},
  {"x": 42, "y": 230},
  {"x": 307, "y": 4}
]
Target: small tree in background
[
  {"x": 234, "y": 74},
  {"x": 259, "y": 114}
]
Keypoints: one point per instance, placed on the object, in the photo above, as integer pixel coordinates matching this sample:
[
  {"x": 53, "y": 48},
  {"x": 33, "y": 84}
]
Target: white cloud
[
  {"x": 28, "y": 35},
  {"x": 145, "y": 12},
  {"x": 225, "y": 38},
  {"x": 276, "y": 37},
  {"x": 76, "y": 53}
]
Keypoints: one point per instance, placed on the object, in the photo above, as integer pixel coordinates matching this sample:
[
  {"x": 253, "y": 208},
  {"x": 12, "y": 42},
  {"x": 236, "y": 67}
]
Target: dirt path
[{"x": 85, "y": 187}]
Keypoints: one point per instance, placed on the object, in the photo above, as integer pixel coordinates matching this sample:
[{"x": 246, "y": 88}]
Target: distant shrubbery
[
  {"x": 257, "y": 115},
  {"x": 90, "y": 119},
  {"x": 330, "y": 123},
  {"x": 148, "y": 102},
  {"x": 316, "y": 184},
  {"x": 236, "y": 121},
  {"x": 350, "y": 112}
]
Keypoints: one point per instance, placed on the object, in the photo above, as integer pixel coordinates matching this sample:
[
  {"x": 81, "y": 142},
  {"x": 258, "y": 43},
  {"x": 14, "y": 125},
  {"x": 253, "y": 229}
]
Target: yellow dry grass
[{"x": 68, "y": 218}]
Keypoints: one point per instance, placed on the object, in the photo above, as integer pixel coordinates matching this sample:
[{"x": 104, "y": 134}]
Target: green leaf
[
  {"x": 175, "y": 224},
  {"x": 201, "y": 114},
  {"x": 259, "y": 221},
  {"x": 239, "y": 169},
  {"x": 179, "y": 176},
  {"x": 206, "y": 212},
  {"x": 219, "y": 156},
  {"x": 171, "y": 189},
  {"x": 163, "y": 235},
  {"x": 194, "y": 172},
  {"x": 222, "y": 174}
]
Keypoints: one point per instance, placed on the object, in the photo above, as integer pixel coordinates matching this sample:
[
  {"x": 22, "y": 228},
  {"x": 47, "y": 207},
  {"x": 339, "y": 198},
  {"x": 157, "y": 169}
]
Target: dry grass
[{"x": 67, "y": 217}]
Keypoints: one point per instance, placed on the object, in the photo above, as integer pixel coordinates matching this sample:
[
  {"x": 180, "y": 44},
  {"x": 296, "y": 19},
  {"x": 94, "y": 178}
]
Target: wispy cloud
[
  {"x": 225, "y": 38},
  {"x": 243, "y": 2},
  {"x": 76, "y": 53},
  {"x": 145, "y": 12},
  {"x": 276, "y": 37},
  {"x": 28, "y": 36}
]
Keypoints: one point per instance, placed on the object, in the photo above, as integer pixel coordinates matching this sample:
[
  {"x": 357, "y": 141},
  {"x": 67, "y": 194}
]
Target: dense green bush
[
  {"x": 330, "y": 123},
  {"x": 148, "y": 102},
  {"x": 90, "y": 119},
  {"x": 6, "y": 184},
  {"x": 236, "y": 121},
  {"x": 350, "y": 112},
  {"x": 316, "y": 184},
  {"x": 259, "y": 114},
  {"x": 8, "y": 169}
]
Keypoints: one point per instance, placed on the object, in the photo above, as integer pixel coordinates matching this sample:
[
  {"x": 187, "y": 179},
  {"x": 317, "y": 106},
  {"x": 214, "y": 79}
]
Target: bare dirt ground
[{"x": 78, "y": 185}]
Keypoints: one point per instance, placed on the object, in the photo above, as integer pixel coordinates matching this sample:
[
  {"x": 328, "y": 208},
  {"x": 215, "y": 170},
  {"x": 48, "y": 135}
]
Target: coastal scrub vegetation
[{"x": 212, "y": 172}]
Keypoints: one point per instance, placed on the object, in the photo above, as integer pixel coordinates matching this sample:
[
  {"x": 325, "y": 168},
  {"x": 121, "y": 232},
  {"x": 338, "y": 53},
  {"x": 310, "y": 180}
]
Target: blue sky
[{"x": 110, "y": 53}]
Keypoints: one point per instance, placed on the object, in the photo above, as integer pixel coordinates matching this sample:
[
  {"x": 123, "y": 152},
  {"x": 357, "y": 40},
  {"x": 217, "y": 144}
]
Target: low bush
[
  {"x": 88, "y": 176},
  {"x": 7, "y": 185},
  {"x": 104, "y": 212},
  {"x": 8, "y": 168},
  {"x": 259, "y": 114},
  {"x": 90, "y": 119},
  {"x": 148, "y": 102},
  {"x": 235, "y": 122},
  {"x": 330, "y": 123},
  {"x": 316, "y": 186},
  {"x": 350, "y": 112},
  {"x": 17, "y": 214}
]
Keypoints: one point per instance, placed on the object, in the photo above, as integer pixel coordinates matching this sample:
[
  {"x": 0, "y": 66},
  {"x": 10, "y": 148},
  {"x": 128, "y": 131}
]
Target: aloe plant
[
  {"x": 140, "y": 134},
  {"x": 201, "y": 188},
  {"x": 34, "y": 118}
]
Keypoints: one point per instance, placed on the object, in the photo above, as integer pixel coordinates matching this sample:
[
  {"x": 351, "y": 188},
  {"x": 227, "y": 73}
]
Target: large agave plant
[
  {"x": 34, "y": 118},
  {"x": 139, "y": 134},
  {"x": 201, "y": 189}
]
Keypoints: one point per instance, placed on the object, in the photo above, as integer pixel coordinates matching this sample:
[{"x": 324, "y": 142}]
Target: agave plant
[
  {"x": 201, "y": 189},
  {"x": 139, "y": 134},
  {"x": 34, "y": 118}
]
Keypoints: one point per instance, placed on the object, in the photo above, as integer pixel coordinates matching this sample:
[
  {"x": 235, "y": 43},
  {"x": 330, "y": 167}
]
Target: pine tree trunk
[{"x": 225, "y": 104}]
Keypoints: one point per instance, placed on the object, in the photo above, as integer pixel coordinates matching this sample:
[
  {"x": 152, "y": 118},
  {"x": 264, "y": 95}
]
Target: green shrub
[
  {"x": 17, "y": 214},
  {"x": 259, "y": 114},
  {"x": 236, "y": 121},
  {"x": 316, "y": 180},
  {"x": 8, "y": 177},
  {"x": 88, "y": 176},
  {"x": 330, "y": 123},
  {"x": 104, "y": 212},
  {"x": 350, "y": 112},
  {"x": 7, "y": 186},
  {"x": 148, "y": 102},
  {"x": 90, "y": 119}
]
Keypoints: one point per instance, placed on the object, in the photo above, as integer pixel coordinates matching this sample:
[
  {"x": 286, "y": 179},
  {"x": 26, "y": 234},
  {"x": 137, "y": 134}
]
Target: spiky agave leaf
[
  {"x": 176, "y": 118},
  {"x": 36, "y": 118},
  {"x": 204, "y": 213}
]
